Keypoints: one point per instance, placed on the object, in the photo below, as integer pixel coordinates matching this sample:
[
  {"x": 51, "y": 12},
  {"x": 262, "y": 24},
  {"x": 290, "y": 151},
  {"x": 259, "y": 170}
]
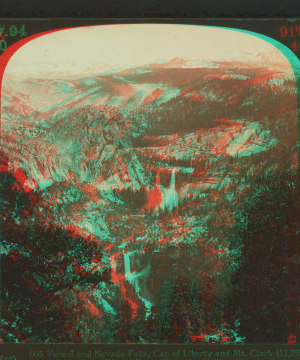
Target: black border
[
  {"x": 268, "y": 26},
  {"x": 150, "y": 8}
]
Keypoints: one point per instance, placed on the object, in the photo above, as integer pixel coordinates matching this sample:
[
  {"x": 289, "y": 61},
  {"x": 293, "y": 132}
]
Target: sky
[{"x": 93, "y": 50}]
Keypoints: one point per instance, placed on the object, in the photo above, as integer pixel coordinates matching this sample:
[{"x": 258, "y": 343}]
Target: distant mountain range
[{"x": 114, "y": 131}]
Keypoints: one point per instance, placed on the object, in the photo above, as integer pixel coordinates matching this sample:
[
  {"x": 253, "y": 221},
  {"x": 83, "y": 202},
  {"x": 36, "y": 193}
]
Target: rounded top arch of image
[{"x": 95, "y": 50}]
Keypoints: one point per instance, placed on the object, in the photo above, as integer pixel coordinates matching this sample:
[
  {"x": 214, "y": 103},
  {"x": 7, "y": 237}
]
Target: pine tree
[{"x": 41, "y": 264}]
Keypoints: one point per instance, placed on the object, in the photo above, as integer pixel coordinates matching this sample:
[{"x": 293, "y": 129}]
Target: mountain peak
[{"x": 176, "y": 61}]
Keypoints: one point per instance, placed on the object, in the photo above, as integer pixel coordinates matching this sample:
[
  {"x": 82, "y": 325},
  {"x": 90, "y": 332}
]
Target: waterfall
[{"x": 171, "y": 196}]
